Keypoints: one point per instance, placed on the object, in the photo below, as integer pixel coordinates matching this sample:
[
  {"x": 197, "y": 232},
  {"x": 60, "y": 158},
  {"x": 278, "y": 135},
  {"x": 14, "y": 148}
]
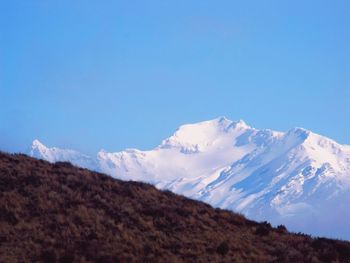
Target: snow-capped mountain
[
  {"x": 39, "y": 150},
  {"x": 296, "y": 178}
]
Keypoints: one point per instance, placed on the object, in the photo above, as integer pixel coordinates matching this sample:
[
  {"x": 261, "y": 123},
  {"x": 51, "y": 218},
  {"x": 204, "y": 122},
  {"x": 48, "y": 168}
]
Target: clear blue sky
[{"x": 117, "y": 74}]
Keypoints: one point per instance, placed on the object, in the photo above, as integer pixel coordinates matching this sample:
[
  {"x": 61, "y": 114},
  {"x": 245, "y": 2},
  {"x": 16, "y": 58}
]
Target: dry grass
[{"x": 60, "y": 213}]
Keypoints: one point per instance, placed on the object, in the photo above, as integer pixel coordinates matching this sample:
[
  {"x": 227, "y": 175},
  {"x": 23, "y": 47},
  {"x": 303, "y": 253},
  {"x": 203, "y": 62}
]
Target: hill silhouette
[{"x": 61, "y": 213}]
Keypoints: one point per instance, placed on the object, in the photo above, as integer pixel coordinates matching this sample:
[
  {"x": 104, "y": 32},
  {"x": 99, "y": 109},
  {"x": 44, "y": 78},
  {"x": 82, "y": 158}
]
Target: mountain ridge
[{"x": 283, "y": 177}]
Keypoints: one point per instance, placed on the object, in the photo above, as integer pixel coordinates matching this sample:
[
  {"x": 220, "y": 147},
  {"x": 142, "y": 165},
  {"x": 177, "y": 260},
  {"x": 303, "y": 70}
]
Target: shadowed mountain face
[{"x": 61, "y": 213}]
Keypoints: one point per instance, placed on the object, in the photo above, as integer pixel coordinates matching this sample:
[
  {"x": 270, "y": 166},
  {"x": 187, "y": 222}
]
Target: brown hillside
[{"x": 60, "y": 213}]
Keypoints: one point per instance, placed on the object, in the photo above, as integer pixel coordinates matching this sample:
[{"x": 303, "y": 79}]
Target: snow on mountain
[
  {"x": 40, "y": 151},
  {"x": 296, "y": 178}
]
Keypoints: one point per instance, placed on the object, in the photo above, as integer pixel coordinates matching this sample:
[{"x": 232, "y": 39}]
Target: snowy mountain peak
[
  {"x": 37, "y": 147},
  {"x": 37, "y": 144},
  {"x": 239, "y": 125},
  {"x": 38, "y": 150},
  {"x": 195, "y": 138},
  {"x": 225, "y": 123},
  {"x": 54, "y": 154},
  {"x": 301, "y": 133},
  {"x": 287, "y": 178}
]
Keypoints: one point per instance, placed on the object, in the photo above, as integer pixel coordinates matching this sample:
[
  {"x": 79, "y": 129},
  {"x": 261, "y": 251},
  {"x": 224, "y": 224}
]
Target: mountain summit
[{"x": 297, "y": 178}]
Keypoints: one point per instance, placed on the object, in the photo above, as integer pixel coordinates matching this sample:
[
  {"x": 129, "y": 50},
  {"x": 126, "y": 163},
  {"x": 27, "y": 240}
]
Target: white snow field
[{"x": 297, "y": 178}]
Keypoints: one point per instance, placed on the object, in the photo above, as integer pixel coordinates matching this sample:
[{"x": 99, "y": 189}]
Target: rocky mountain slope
[
  {"x": 297, "y": 178},
  {"x": 61, "y": 213}
]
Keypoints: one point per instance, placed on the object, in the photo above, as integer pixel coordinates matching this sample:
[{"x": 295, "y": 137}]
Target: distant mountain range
[{"x": 297, "y": 178}]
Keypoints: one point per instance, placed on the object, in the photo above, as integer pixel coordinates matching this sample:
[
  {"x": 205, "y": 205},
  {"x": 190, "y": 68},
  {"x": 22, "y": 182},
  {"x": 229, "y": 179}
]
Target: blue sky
[{"x": 91, "y": 75}]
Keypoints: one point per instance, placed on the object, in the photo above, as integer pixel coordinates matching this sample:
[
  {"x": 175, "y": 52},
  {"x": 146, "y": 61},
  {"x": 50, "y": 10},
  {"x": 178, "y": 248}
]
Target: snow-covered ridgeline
[{"x": 297, "y": 178}]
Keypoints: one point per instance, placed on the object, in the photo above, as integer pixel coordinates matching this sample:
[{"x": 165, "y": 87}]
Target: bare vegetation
[{"x": 60, "y": 213}]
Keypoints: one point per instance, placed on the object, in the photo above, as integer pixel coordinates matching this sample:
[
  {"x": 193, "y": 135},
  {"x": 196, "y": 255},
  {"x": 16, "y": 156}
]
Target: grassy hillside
[{"x": 60, "y": 213}]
